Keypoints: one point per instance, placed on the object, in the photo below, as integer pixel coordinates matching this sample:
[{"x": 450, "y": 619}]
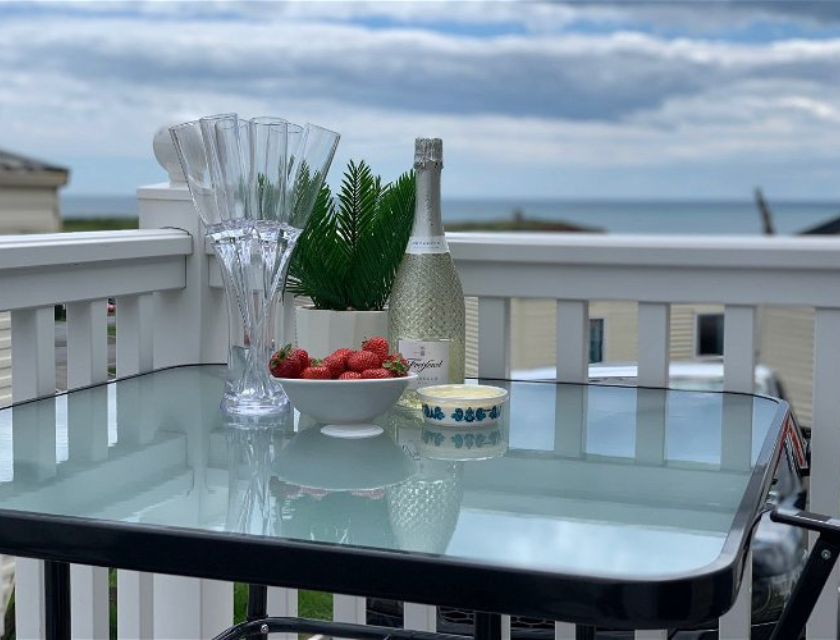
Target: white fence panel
[
  {"x": 134, "y": 334},
  {"x": 283, "y": 603},
  {"x": 494, "y": 336},
  {"x": 135, "y": 605},
  {"x": 825, "y": 453},
  {"x": 654, "y": 347},
  {"x": 419, "y": 617},
  {"x": 187, "y": 608},
  {"x": 572, "y": 340},
  {"x": 33, "y": 375},
  {"x": 350, "y": 609}
]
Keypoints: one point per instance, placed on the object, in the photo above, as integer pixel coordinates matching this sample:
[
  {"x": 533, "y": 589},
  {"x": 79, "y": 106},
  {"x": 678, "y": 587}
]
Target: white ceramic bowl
[
  {"x": 345, "y": 402},
  {"x": 462, "y": 405}
]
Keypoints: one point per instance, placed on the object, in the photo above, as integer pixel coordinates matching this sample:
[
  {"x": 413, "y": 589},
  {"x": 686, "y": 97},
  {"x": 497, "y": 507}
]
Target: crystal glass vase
[{"x": 254, "y": 184}]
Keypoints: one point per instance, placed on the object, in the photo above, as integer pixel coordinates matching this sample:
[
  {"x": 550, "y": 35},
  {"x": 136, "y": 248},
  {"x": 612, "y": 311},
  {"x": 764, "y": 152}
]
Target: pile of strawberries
[{"x": 372, "y": 361}]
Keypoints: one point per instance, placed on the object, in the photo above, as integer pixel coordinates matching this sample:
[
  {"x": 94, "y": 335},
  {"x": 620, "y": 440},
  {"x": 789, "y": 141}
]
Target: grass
[
  {"x": 99, "y": 224},
  {"x": 516, "y": 223}
]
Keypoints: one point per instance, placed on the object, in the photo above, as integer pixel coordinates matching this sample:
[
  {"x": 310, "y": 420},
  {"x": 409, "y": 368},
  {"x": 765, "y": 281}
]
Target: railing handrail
[
  {"x": 753, "y": 252},
  {"x": 52, "y": 249},
  {"x": 34, "y": 250},
  {"x": 44, "y": 269},
  {"x": 660, "y": 269}
]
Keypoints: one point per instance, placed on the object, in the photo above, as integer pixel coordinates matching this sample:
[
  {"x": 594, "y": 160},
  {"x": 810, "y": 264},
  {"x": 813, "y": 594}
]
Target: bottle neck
[{"x": 427, "y": 234}]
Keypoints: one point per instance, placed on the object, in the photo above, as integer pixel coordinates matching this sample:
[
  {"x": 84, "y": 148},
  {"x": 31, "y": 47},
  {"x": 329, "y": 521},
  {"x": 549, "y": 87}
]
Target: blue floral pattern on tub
[
  {"x": 463, "y": 415},
  {"x": 477, "y": 440},
  {"x": 475, "y": 415},
  {"x": 432, "y": 437},
  {"x": 435, "y": 413}
]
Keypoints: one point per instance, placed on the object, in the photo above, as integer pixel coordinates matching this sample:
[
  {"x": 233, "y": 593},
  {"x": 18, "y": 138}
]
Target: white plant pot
[{"x": 322, "y": 331}]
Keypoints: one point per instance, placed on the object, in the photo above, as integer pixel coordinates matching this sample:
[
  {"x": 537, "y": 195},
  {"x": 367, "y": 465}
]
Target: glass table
[{"x": 591, "y": 504}]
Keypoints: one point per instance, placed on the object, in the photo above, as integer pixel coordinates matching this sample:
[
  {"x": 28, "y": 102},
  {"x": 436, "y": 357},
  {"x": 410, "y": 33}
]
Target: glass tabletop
[{"x": 603, "y": 482}]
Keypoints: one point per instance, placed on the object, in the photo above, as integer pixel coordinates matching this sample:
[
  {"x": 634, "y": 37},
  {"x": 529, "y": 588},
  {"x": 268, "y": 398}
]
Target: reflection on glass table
[{"x": 625, "y": 501}]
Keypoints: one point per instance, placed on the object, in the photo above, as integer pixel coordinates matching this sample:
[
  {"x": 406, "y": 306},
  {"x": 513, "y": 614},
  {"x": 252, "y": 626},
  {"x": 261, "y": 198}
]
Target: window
[
  {"x": 709, "y": 334},
  {"x": 596, "y": 340}
]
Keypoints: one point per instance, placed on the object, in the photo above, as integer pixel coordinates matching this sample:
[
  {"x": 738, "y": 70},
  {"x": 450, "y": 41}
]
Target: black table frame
[
  {"x": 414, "y": 577},
  {"x": 821, "y": 560}
]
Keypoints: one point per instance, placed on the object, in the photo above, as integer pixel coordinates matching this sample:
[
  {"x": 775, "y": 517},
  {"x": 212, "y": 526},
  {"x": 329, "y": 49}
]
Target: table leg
[
  {"x": 257, "y": 601},
  {"x": 57, "y": 600},
  {"x": 257, "y": 605},
  {"x": 814, "y": 575},
  {"x": 487, "y": 626},
  {"x": 807, "y": 590}
]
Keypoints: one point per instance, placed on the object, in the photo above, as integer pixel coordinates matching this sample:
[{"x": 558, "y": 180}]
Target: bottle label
[
  {"x": 432, "y": 244},
  {"x": 428, "y": 359}
]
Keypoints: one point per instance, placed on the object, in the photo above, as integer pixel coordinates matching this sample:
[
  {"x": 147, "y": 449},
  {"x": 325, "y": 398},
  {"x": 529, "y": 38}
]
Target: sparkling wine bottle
[{"x": 426, "y": 310}]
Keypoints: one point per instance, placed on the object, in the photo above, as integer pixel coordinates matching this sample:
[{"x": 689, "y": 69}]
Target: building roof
[
  {"x": 17, "y": 171},
  {"x": 16, "y": 162},
  {"x": 832, "y": 227}
]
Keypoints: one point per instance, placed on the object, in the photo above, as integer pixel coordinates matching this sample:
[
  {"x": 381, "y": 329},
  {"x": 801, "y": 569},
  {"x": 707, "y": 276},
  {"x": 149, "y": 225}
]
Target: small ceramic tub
[{"x": 462, "y": 405}]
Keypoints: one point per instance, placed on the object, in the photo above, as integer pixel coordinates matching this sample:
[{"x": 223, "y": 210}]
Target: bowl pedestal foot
[{"x": 351, "y": 431}]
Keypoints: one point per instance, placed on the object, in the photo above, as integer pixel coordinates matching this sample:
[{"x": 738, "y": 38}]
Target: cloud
[
  {"x": 579, "y": 77},
  {"x": 537, "y": 90}
]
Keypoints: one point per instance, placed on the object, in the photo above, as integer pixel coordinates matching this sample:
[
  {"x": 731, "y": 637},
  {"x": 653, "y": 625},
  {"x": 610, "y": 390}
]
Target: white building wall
[
  {"x": 787, "y": 346},
  {"x": 684, "y": 328},
  {"x": 621, "y": 329},
  {"x": 29, "y": 210}
]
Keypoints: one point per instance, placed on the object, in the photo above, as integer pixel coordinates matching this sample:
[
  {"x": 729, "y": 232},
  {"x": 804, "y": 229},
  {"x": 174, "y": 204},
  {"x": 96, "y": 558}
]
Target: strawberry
[
  {"x": 316, "y": 373},
  {"x": 350, "y": 375},
  {"x": 282, "y": 365},
  {"x": 397, "y": 365},
  {"x": 335, "y": 365},
  {"x": 302, "y": 356},
  {"x": 342, "y": 354},
  {"x": 377, "y": 345},
  {"x": 361, "y": 360},
  {"x": 376, "y": 374}
]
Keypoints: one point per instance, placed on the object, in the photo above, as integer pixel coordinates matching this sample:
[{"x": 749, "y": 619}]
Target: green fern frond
[
  {"x": 379, "y": 250},
  {"x": 348, "y": 254}
]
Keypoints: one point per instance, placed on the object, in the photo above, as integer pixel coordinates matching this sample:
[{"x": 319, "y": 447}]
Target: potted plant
[{"x": 347, "y": 258}]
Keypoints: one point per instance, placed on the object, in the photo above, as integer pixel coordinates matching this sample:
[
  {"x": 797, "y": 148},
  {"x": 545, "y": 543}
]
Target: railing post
[
  {"x": 283, "y": 603},
  {"x": 33, "y": 375},
  {"x": 190, "y": 325},
  {"x": 825, "y": 451},
  {"x": 494, "y": 337}
]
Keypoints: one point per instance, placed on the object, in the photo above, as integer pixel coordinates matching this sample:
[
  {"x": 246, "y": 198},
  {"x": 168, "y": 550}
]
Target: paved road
[{"x": 61, "y": 352}]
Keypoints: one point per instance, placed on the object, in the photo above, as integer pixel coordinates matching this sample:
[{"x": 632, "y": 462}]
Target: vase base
[
  {"x": 351, "y": 431},
  {"x": 252, "y": 407}
]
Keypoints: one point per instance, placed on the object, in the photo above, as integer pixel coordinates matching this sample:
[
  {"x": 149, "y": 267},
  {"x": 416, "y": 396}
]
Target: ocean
[{"x": 636, "y": 216}]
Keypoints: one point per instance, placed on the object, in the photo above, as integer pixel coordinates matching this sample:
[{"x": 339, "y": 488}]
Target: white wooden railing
[{"x": 170, "y": 311}]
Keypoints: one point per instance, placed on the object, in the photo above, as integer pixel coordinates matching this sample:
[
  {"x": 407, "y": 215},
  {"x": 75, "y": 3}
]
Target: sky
[{"x": 603, "y": 100}]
